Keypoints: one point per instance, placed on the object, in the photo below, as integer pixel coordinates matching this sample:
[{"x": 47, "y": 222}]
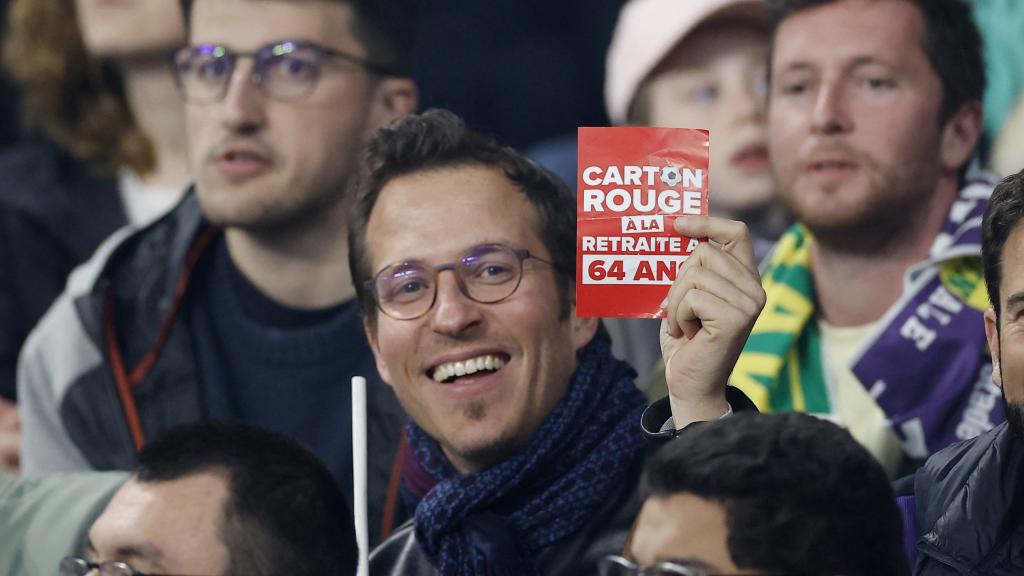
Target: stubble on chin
[
  {"x": 1015, "y": 416},
  {"x": 883, "y": 214}
]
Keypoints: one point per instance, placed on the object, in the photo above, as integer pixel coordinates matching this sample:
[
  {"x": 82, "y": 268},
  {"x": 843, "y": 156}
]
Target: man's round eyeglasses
[
  {"x": 72, "y": 566},
  {"x": 487, "y": 273},
  {"x": 284, "y": 70}
]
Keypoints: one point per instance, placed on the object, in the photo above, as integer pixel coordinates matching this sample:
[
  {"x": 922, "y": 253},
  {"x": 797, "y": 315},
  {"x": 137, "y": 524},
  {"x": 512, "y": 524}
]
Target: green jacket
[{"x": 43, "y": 519}]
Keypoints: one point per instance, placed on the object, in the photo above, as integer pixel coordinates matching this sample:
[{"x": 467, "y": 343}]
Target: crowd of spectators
[{"x": 215, "y": 213}]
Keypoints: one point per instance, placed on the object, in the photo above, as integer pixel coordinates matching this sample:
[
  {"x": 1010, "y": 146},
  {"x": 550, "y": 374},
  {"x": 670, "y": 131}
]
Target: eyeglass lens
[
  {"x": 284, "y": 71},
  {"x": 619, "y": 566},
  {"x": 81, "y": 567},
  {"x": 486, "y": 274}
]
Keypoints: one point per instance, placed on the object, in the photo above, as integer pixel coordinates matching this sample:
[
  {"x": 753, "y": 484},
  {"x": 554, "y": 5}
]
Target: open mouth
[
  {"x": 829, "y": 165},
  {"x": 241, "y": 156},
  {"x": 449, "y": 372},
  {"x": 752, "y": 156}
]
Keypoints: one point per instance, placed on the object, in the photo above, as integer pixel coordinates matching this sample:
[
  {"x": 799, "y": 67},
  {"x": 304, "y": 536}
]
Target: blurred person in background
[
  {"x": 9, "y": 129},
  {"x": 697, "y": 64},
  {"x": 237, "y": 305},
  {"x": 876, "y": 296},
  {"x": 701, "y": 64},
  {"x": 1001, "y": 23},
  {"x": 105, "y": 147}
]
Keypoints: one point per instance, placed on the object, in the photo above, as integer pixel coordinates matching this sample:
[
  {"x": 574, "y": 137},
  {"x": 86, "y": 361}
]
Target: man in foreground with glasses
[
  {"x": 524, "y": 450},
  {"x": 764, "y": 494},
  {"x": 238, "y": 305},
  {"x": 213, "y": 499}
]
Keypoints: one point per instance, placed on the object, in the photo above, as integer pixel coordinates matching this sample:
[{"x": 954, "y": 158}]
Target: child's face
[{"x": 715, "y": 79}]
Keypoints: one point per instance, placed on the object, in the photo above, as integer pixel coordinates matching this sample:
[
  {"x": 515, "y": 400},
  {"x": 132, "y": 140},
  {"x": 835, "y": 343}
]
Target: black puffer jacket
[
  {"x": 53, "y": 214},
  {"x": 970, "y": 508}
]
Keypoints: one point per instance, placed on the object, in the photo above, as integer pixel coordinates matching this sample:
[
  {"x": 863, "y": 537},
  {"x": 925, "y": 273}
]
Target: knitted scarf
[
  {"x": 926, "y": 363},
  {"x": 497, "y": 520}
]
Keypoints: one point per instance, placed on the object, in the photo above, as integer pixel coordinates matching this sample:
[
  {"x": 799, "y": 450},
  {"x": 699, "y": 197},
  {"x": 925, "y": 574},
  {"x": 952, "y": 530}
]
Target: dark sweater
[{"x": 281, "y": 368}]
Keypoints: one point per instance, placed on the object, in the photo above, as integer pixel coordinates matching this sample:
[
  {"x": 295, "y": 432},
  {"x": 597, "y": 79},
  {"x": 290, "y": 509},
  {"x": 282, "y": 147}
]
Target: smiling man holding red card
[{"x": 524, "y": 451}]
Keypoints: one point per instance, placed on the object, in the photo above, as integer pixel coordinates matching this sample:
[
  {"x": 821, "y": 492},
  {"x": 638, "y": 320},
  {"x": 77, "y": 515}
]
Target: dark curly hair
[
  {"x": 439, "y": 139},
  {"x": 801, "y": 496}
]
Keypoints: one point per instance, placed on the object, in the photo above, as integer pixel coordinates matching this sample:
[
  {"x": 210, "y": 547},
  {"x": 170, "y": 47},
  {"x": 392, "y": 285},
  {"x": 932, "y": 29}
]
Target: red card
[{"x": 632, "y": 183}]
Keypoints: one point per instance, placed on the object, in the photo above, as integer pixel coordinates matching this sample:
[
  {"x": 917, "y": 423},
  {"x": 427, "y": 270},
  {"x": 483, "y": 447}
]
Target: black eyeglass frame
[
  {"x": 520, "y": 254},
  {"x": 263, "y": 54},
  {"x": 681, "y": 569},
  {"x": 89, "y": 566}
]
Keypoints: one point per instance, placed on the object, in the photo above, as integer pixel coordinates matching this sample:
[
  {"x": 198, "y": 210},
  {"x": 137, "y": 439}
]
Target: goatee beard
[{"x": 1015, "y": 417}]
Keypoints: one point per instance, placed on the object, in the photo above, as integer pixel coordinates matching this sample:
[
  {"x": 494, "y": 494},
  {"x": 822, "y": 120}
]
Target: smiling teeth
[{"x": 464, "y": 367}]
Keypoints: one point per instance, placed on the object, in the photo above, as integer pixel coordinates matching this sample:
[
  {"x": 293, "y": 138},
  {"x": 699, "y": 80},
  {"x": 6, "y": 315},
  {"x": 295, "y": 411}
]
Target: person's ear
[
  {"x": 583, "y": 329},
  {"x": 394, "y": 98},
  {"x": 992, "y": 334},
  {"x": 370, "y": 327},
  {"x": 960, "y": 136}
]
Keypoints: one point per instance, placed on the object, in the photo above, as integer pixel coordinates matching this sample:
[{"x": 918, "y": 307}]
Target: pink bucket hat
[{"x": 647, "y": 31}]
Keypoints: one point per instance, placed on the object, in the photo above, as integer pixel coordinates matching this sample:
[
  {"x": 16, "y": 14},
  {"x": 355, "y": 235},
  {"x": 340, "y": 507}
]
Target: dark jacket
[
  {"x": 54, "y": 212},
  {"x": 111, "y": 365},
  {"x": 970, "y": 508},
  {"x": 606, "y": 532}
]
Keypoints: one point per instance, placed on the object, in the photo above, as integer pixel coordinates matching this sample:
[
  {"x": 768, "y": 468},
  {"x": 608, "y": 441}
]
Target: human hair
[
  {"x": 76, "y": 100},
  {"x": 951, "y": 41},
  {"x": 438, "y": 139},
  {"x": 801, "y": 496},
  {"x": 284, "y": 513},
  {"x": 386, "y": 28},
  {"x": 1004, "y": 212}
]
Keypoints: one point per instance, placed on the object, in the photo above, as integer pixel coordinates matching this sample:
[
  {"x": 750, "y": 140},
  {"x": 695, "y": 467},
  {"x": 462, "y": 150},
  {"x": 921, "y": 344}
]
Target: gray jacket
[{"x": 126, "y": 306}]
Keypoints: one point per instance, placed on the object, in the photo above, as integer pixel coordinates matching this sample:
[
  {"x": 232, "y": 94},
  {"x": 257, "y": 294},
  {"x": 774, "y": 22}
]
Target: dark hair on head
[
  {"x": 75, "y": 100},
  {"x": 438, "y": 139},
  {"x": 284, "y": 513},
  {"x": 801, "y": 496},
  {"x": 386, "y": 28},
  {"x": 1004, "y": 211},
  {"x": 951, "y": 41}
]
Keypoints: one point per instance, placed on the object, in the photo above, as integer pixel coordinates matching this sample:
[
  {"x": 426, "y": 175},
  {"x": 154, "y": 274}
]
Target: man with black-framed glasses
[
  {"x": 238, "y": 305},
  {"x": 204, "y": 499},
  {"x": 525, "y": 444},
  {"x": 218, "y": 499}
]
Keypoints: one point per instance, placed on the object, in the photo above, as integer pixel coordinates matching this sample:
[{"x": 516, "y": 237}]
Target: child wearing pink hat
[{"x": 702, "y": 64}]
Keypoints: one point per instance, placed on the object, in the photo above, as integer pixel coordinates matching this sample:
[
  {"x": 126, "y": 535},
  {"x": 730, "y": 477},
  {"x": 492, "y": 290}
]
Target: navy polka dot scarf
[{"x": 497, "y": 520}]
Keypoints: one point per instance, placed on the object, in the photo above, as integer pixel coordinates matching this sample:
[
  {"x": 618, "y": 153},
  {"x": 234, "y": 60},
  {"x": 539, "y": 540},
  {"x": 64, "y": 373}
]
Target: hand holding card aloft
[
  {"x": 632, "y": 182},
  {"x": 709, "y": 312}
]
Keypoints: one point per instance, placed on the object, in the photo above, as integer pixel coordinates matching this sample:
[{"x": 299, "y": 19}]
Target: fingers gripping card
[{"x": 633, "y": 183}]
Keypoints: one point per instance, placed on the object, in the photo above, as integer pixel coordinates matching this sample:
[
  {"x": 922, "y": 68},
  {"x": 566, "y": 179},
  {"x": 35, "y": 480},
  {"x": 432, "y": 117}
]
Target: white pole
[{"x": 359, "y": 472}]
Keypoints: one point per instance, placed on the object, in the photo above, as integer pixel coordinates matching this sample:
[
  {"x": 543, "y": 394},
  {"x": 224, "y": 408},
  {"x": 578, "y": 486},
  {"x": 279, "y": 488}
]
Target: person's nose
[
  {"x": 454, "y": 312},
  {"x": 243, "y": 105},
  {"x": 830, "y": 114}
]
